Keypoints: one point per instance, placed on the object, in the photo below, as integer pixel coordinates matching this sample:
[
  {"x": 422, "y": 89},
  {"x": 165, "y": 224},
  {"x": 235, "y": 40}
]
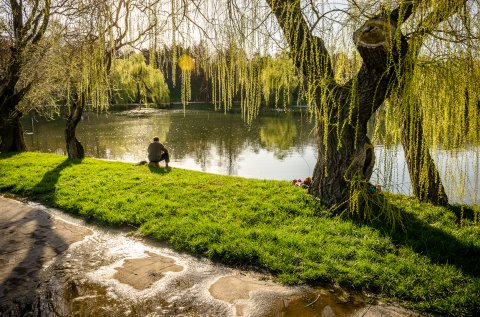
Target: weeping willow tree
[
  {"x": 388, "y": 73},
  {"x": 98, "y": 30},
  {"x": 84, "y": 59},
  {"x": 132, "y": 80},
  {"x": 439, "y": 112},
  {"x": 344, "y": 85},
  {"x": 23, "y": 25},
  {"x": 345, "y": 153},
  {"x": 278, "y": 80}
]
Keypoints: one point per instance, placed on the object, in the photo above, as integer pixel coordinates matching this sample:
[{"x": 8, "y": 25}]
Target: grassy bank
[{"x": 432, "y": 266}]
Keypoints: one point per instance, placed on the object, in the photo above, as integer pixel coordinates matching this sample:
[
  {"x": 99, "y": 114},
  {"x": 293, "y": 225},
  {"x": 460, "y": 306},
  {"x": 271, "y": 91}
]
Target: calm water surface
[{"x": 278, "y": 146}]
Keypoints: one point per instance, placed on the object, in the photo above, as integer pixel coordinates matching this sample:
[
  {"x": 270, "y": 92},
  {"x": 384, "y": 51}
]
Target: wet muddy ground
[{"x": 52, "y": 264}]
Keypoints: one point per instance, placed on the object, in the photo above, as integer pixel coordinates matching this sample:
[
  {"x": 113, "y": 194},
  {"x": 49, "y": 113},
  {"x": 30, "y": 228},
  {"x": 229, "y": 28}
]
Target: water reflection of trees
[
  {"x": 278, "y": 135},
  {"x": 126, "y": 135},
  {"x": 206, "y": 137},
  {"x": 112, "y": 136},
  {"x": 44, "y": 135}
]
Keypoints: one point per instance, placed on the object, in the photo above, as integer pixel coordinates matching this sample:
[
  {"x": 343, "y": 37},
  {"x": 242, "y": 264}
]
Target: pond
[{"x": 278, "y": 145}]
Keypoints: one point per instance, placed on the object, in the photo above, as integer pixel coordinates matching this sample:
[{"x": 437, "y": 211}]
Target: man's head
[{"x": 156, "y": 139}]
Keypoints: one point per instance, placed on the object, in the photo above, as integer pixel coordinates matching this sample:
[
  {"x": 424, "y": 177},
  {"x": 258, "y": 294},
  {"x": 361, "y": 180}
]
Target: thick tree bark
[
  {"x": 11, "y": 133},
  {"x": 75, "y": 149},
  {"x": 346, "y": 156},
  {"x": 425, "y": 178},
  {"x": 341, "y": 169}
]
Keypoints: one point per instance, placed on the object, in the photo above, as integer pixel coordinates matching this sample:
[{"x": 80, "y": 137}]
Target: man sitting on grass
[{"x": 157, "y": 153}]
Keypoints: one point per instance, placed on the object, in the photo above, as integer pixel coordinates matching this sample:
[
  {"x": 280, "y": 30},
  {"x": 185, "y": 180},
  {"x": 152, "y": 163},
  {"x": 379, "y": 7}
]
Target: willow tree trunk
[
  {"x": 11, "y": 132},
  {"x": 75, "y": 149},
  {"x": 28, "y": 21},
  {"x": 345, "y": 154},
  {"x": 345, "y": 158},
  {"x": 340, "y": 171},
  {"x": 425, "y": 178}
]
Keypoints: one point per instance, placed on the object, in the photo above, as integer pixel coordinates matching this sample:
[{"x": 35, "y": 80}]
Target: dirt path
[{"x": 55, "y": 265}]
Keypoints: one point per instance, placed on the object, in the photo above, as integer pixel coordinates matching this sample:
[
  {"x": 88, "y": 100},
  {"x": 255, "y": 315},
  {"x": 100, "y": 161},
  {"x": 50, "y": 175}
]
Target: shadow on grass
[
  {"x": 435, "y": 243},
  {"x": 46, "y": 187},
  {"x": 6, "y": 155},
  {"x": 464, "y": 212},
  {"x": 159, "y": 170}
]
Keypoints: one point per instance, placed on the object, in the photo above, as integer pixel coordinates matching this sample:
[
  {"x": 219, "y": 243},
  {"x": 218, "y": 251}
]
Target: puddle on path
[
  {"x": 55, "y": 265},
  {"x": 253, "y": 297},
  {"x": 142, "y": 273}
]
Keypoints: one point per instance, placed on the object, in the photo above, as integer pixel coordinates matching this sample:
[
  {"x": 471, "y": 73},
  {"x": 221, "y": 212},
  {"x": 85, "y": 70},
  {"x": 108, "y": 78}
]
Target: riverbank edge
[{"x": 269, "y": 225}]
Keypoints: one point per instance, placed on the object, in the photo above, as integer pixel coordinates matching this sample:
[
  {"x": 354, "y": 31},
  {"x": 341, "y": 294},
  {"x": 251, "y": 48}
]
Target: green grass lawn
[{"x": 431, "y": 265}]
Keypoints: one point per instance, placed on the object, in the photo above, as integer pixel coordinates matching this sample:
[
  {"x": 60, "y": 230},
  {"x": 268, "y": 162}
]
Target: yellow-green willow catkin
[
  {"x": 99, "y": 77},
  {"x": 267, "y": 81},
  {"x": 221, "y": 81},
  {"x": 210, "y": 74},
  {"x": 225, "y": 84},
  {"x": 218, "y": 78}
]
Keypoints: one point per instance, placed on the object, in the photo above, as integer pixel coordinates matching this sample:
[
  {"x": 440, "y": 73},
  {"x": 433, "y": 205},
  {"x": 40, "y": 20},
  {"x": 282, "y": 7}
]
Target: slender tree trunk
[
  {"x": 75, "y": 149},
  {"x": 425, "y": 178},
  {"x": 138, "y": 96}
]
